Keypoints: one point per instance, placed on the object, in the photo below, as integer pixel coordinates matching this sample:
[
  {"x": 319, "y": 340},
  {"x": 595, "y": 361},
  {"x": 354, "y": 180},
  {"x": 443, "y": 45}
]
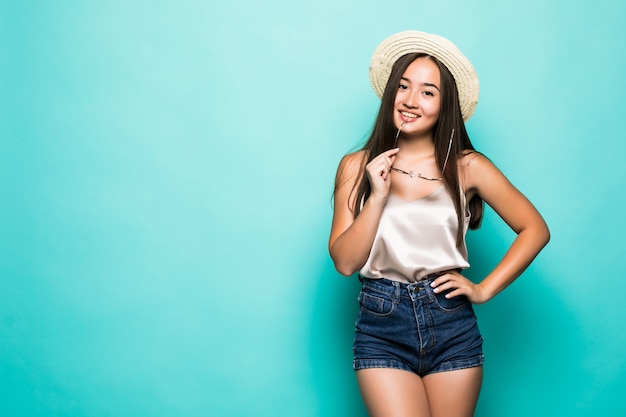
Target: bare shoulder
[
  {"x": 470, "y": 157},
  {"x": 353, "y": 160},
  {"x": 349, "y": 174},
  {"x": 481, "y": 176},
  {"x": 351, "y": 166},
  {"x": 475, "y": 168}
]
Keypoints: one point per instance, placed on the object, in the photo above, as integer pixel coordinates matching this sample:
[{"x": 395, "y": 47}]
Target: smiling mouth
[{"x": 409, "y": 115}]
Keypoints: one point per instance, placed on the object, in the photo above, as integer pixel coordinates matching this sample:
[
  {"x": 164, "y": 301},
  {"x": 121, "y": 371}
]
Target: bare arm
[
  {"x": 351, "y": 239},
  {"x": 482, "y": 177}
]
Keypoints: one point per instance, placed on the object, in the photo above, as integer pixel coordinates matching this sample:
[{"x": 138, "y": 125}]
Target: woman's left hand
[{"x": 459, "y": 285}]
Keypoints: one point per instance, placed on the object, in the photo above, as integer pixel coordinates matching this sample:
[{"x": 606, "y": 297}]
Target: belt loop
[
  {"x": 428, "y": 290},
  {"x": 396, "y": 284}
]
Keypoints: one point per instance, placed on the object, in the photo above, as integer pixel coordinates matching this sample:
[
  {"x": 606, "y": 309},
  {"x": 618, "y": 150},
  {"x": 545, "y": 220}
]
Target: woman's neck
[{"x": 417, "y": 145}]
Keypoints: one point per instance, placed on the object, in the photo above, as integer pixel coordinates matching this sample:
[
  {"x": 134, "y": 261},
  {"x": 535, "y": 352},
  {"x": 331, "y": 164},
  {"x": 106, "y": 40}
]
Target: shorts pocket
[
  {"x": 451, "y": 304},
  {"x": 379, "y": 304}
]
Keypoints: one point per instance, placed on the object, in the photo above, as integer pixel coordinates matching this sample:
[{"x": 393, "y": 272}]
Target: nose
[{"x": 411, "y": 100}]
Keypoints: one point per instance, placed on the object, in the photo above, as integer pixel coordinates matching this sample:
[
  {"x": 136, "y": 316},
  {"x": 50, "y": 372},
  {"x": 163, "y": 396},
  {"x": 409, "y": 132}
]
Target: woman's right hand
[
  {"x": 378, "y": 173},
  {"x": 351, "y": 237}
]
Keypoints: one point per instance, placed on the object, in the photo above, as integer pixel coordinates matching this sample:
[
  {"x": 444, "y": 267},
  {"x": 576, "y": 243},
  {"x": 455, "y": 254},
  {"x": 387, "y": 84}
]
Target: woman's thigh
[
  {"x": 454, "y": 393},
  {"x": 393, "y": 392}
]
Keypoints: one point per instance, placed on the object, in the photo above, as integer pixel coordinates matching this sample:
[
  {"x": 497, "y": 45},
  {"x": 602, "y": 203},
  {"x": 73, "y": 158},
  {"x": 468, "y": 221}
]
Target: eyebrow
[{"x": 424, "y": 84}]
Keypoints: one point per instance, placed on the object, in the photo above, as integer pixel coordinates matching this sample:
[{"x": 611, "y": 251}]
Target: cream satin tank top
[{"x": 417, "y": 238}]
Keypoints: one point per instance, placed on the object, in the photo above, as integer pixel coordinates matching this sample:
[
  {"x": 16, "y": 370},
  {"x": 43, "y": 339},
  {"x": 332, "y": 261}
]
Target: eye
[
  {"x": 429, "y": 93},
  {"x": 403, "y": 86}
]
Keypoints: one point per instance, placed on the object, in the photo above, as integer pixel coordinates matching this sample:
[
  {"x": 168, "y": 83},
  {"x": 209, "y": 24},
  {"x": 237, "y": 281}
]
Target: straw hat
[{"x": 412, "y": 41}]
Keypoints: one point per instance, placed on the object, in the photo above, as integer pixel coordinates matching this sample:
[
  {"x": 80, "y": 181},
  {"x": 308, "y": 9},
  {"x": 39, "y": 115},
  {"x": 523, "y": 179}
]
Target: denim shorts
[{"x": 409, "y": 327}]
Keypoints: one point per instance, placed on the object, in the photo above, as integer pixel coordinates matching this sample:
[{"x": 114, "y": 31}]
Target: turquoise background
[{"x": 166, "y": 170}]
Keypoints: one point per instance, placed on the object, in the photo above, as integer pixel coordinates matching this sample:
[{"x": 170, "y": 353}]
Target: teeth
[{"x": 406, "y": 114}]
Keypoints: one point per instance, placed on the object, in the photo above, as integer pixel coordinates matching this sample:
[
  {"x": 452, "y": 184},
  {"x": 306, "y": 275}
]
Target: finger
[
  {"x": 386, "y": 159},
  {"x": 387, "y": 156},
  {"x": 441, "y": 279},
  {"x": 391, "y": 152},
  {"x": 382, "y": 166},
  {"x": 455, "y": 293},
  {"x": 453, "y": 290},
  {"x": 384, "y": 170},
  {"x": 444, "y": 286},
  {"x": 447, "y": 282},
  {"x": 377, "y": 167},
  {"x": 448, "y": 276}
]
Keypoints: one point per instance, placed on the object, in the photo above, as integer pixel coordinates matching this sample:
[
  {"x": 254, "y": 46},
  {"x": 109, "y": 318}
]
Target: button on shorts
[{"x": 409, "y": 327}]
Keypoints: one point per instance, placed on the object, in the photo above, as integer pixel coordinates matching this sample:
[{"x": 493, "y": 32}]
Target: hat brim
[{"x": 412, "y": 41}]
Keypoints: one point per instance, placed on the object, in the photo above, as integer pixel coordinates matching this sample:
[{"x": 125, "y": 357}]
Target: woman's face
[{"x": 418, "y": 100}]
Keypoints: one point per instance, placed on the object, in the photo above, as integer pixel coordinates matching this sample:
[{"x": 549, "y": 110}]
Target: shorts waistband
[{"x": 424, "y": 279}]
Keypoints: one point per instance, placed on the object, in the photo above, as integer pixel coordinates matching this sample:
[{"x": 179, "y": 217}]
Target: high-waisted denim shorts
[{"x": 409, "y": 327}]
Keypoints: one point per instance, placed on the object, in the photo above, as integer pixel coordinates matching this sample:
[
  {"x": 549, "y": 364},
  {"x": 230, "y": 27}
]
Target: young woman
[{"x": 402, "y": 206}]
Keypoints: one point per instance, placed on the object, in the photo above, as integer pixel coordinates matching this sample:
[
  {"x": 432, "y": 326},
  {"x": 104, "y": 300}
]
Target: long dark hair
[{"x": 450, "y": 117}]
